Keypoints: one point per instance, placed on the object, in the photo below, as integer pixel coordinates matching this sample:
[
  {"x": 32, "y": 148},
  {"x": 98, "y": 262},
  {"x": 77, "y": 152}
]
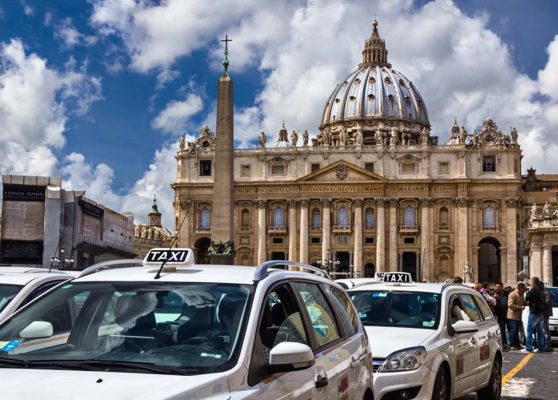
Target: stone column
[
  {"x": 462, "y": 228},
  {"x": 426, "y": 204},
  {"x": 509, "y": 272},
  {"x": 262, "y": 235},
  {"x": 304, "y": 231},
  {"x": 292, "y": 231},
  {"x": 393, "y": 227},
  {"x": 380, "y": 235},
  {"x": 357, "y": 252},
  {"x": 183, "y": 211},
  {"x": 535, "y": 260},
  {"x": 547, "y": 264},
  {"x": 326, "y": 227}
]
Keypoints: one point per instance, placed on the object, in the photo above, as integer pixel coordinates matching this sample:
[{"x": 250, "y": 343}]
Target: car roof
[
  {"x": 411, "y": 287},
  {"x": 23, "y": 278}
]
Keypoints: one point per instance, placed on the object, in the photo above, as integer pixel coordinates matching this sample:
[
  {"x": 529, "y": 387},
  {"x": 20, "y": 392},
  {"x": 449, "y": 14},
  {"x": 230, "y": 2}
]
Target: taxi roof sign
[
  {"x": 397, "y": 277},
  {"x": 175, "y": 257}
]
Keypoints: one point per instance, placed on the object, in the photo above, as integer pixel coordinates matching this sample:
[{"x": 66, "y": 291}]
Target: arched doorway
[
  {"x": 200, "y": 249},
  {"x": 369, "y": 270},
  {"x": 489, "y": 261}
]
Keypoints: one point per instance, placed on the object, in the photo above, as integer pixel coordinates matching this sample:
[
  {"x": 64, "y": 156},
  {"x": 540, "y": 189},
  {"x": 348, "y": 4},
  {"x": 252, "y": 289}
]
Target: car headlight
[{"x": 404, "y": 360}]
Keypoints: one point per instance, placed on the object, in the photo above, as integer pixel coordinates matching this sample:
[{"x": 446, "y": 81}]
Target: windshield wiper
[{"x": 13, "y": 362}]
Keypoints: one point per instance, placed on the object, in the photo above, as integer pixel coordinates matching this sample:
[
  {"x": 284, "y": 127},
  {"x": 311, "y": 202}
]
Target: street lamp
[
  {"x": 62, "y": 262},
  {"x": 329, "y": 264}
]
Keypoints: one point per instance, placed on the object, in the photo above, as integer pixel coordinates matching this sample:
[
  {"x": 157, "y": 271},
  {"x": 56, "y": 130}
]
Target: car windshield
[
  {"x": 183, "y": 328},
  {"x": 7, "y": 293},
  {"x": 397, "y": 309}
]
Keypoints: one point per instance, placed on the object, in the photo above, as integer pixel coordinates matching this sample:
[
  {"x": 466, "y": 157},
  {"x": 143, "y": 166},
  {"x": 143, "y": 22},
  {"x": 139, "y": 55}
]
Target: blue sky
[{"x": 98, "y": 91}]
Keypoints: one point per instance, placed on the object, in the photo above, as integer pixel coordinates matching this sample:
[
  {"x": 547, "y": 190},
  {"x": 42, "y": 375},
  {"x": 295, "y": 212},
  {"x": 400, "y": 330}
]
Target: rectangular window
[
  {"x": 409, "y": 240},
  {"x": 278, "y": 170},
  {"x": 314, "y": 167},
  {"x": 315, "y": 240},
  {"x": 205, "y": 167},
  {"x": 369, "y": 166},
  {"x": 277, "y": 240},
  {"x": 408, "y": 167},
  {"x": 245, "y": 171},
  {"x": 489, "y": 164},
  {"x": 369, "y": 240},
  {"x": 443, "y": 167}
]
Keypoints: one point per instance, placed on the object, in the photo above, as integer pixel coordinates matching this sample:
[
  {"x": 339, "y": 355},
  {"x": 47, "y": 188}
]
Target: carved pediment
[{"x": 342, "y": 171}]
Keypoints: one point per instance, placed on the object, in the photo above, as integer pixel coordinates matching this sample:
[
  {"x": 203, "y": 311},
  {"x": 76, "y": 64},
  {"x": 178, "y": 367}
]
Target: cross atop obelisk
[{"x": 226, "y": 59}]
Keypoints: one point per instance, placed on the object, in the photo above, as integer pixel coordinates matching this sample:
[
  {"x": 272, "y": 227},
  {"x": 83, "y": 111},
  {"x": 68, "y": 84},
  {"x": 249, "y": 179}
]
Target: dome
[{"x": 375, "y": 95}]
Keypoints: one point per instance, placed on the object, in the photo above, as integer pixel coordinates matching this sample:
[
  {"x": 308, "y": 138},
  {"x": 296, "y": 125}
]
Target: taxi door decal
[
  {"x": 484, "y": 352},
  {"x": 343, "y": 388}
]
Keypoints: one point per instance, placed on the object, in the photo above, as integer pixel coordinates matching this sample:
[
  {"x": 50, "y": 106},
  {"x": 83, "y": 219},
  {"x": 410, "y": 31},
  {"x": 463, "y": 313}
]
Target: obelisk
[{"x": 223, "y": 182}]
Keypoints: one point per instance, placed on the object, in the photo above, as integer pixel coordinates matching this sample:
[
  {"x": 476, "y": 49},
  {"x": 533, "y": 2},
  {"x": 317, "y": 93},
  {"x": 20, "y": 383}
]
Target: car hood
[
  {"x": 32, "y": 384},
  {"x": 385, "y": 340}
]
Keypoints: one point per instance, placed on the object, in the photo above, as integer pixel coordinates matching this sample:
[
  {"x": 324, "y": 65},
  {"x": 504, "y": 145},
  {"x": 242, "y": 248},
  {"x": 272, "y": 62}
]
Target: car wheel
[
  {"x": 493, "y": 390},
  {"x": 441, "y": 388}
]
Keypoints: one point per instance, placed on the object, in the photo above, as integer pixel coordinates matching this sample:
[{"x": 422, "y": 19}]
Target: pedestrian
[
  {"x": 548, "y": 304},
  {"x": 484, "y": 290},
  {"x": 516, "y": 305},
  {"x": 501, "y": 311},
  {"x": 457, "y": 279},
  {"x": 535, "y": 300}
]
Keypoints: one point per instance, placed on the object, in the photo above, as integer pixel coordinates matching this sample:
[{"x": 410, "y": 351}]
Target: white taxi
[
  {"x": 20, "y": 285},
  {"x": 430, "y": 341},
  {"x": 171, "y": 329}
]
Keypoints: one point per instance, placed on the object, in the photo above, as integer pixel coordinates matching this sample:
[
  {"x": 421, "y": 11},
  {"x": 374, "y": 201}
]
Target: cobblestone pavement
[{"x": 537, "y": 380}]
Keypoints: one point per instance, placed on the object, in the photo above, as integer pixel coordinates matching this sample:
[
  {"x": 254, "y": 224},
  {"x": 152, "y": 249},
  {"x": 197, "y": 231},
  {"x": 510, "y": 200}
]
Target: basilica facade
[{"x": 372, "y": 190}]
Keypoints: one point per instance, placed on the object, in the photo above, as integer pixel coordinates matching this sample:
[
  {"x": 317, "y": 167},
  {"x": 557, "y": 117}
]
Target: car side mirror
[
  {"x": 464, "y": 327},
  {"x": 290, "y": 356},
  {"x": 36, "y": 330}
]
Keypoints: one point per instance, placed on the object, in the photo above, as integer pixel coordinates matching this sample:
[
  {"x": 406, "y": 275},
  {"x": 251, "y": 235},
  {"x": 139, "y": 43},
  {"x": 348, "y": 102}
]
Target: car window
[
  {"x": 397, "y": 308},
  {"x": 343, "y": 308},
  {"x": 319, "y": 313},
  {"x": 469, "y": 306},
  {"x": 7, "y": 293},
  {"x": 484, "y": 309},
  {"x": 39, "y": 291}
]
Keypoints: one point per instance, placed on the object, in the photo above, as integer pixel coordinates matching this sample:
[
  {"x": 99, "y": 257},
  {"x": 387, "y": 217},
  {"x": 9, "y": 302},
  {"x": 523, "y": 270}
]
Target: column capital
[
  {"x": 184, "y": 204},
  {"x": 326, "y": 202},
  {"x": 293, "y": 203},
  {"x": 462, "y": 202},
  {"x": 511, "y": 201},
  {"x": 262, "y": 203},
  {"x": 380, "y": 201},
  {"x": 426, "y": 201},
  {"x": 393, "y": 202},
  {"x": 304, "y": 203},
  {"x": 357, "y": 202}
]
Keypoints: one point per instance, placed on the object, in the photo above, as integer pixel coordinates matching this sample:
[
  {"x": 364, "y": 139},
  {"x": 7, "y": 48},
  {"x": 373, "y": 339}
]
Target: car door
[
  {"x": 465, "y": 349},
  {"x": 489, "y": 339},
  {"x": 359, "y": 374},
  {"x": 280, "y": 320},
  {"x": 333, "y": 360}
]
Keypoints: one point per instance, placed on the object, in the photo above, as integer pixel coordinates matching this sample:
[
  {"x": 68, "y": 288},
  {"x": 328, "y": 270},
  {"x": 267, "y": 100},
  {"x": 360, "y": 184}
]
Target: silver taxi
[
  {"x": 172, "y": 329},
  {"x": 430, "y": 341}
]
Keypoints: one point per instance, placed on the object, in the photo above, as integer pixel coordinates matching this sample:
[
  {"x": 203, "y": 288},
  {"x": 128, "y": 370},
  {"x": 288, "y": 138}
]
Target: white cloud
[
  {"x": 174, "y": 118},
  {"x": 27, "y": 9},
  {"x": 35, "y": 102}
]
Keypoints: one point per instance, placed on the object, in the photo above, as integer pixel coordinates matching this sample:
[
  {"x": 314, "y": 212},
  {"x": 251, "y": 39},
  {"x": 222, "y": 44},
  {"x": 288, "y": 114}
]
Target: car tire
[
  {"x": 441, "y": 389},
  {"x": 493, "y": 390}
]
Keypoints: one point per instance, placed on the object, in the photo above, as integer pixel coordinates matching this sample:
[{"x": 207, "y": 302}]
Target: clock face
[{"x": 205, "y": 144}]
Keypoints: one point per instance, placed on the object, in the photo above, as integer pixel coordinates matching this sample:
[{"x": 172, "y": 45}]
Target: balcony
[
  {"x": 276, "y": 229},
  {"x": 244, "y": 228},
  {"x": 408, "y": 229},
  {"x": 369, "y": 228},
  {"x": 204, "y": 229},
  {"x": 341, "y": 229}
]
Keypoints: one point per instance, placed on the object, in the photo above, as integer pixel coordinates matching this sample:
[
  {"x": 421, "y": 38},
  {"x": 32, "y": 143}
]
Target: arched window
[
  {"x": 444, "y": 264},
  {"x": 205, "y": 218},
  {"x": 444, "y": 217},
  {"x": 489, "y": 217},
  {"x": 369, "y": 219},
  {"x": 279, "y": 217},
  {"x": 316, "y": 219},
  {"x": 342, "y": 216},
  {"x": 409, "y": 216},
  {"x": 245, "y": 219}
]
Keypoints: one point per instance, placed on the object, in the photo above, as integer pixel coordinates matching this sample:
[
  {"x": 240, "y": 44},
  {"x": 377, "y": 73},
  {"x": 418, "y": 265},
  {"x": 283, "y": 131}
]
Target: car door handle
[
  {"x": 322, "y": 381},
  {"x": 355, "y": 362},
  {"x": 473, "y": 341}
]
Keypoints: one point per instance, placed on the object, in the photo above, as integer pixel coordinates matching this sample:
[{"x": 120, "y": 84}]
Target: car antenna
[
  {"x": 158, "y": 275},
  {"x": 53, "y": 257}
]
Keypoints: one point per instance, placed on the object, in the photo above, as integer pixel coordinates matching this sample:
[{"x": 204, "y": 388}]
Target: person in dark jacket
[
  {"x": 535, "y": 300},
  {"x": 501, "y": 311}
]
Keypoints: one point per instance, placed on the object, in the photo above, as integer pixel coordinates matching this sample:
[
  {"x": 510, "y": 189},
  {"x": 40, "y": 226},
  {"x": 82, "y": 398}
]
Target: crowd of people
[{"x": 507, "y": 305}]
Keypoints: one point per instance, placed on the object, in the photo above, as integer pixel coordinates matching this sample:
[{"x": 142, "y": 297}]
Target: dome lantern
[{"x": 375, "y": 52}]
